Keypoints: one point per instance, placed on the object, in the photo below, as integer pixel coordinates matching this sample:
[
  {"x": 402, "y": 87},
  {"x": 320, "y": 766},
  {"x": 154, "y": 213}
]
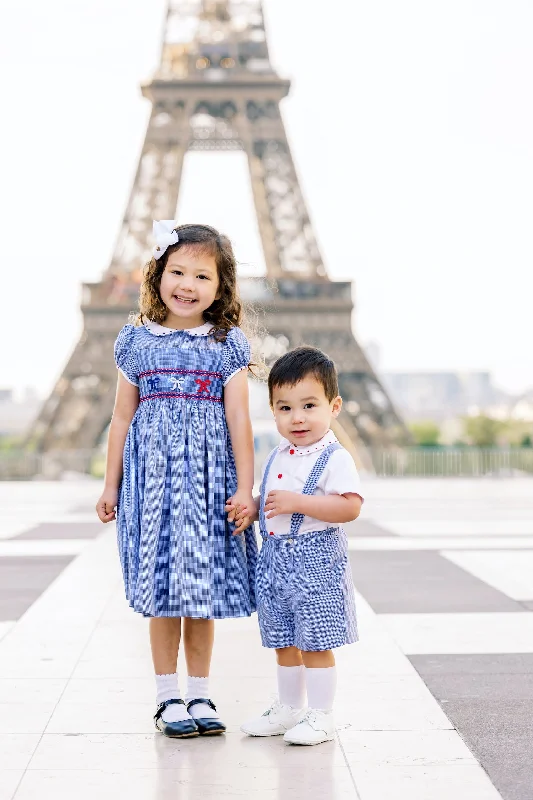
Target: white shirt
[{"x": 290, "y": 469}]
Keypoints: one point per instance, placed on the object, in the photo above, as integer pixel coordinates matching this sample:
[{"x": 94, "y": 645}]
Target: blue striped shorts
[{"x": 304, "y": 591}]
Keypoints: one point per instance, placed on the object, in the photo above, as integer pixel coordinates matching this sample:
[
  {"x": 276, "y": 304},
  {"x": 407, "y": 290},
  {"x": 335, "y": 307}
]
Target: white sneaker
[
  {"x": 315, "y": 727},
  {"x": 277, "y": 720}
]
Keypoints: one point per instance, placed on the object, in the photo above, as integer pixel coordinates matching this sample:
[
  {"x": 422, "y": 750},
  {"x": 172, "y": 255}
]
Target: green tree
[
  {"x": 10, "y": 443},
  {"x": 426, "y": 433},
  {"x": 483, "y": 431}
]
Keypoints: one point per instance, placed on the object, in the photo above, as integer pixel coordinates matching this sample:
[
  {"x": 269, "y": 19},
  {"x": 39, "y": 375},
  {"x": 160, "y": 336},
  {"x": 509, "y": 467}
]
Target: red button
[
  {"x": 280, "y": 475},
  {"x": 271, "y": 533},
  {"x": 291, "y": 452}
]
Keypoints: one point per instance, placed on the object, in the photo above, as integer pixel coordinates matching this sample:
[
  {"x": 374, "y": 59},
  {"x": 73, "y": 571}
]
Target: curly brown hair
[{"x": 224, "y": 313}]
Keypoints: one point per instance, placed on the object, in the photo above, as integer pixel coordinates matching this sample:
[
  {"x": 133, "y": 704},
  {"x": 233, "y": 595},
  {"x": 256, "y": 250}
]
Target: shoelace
[
  {"x": 313, "y": 719},
  {"x": 276, "y": 705}
]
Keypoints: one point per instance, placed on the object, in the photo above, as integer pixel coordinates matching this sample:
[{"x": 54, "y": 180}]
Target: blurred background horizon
[
  {"x": 411, "y": 128},
  {"x": 412, "y": 132}
]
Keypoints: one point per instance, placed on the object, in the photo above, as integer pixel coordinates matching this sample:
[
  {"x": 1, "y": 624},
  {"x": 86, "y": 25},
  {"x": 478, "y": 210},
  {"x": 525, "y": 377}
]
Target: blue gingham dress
[
  {"x": 178, "y": 555},
  {"x": 305, "y": 593}
]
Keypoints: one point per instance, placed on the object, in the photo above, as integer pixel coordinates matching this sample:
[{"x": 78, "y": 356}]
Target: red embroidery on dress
[
  {"x": 203, "y": 385},
  {"x": 181, "y": 395},
  {"x": 180, "y": 372}
]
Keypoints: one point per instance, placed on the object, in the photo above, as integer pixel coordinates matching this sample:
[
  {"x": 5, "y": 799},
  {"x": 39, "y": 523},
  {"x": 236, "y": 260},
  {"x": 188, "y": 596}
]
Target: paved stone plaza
[{"x": 434, "y": 703}]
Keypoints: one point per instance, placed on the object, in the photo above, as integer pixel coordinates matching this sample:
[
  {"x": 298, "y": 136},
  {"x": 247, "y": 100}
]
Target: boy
[{"x": 305, "y": 596}]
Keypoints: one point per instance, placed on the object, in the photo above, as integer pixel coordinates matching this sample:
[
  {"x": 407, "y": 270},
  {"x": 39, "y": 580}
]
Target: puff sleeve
[
  {"x": 125, "y": 355},
  {"x": 340, "y": 475},
  {"x": 236, "y": 355}
]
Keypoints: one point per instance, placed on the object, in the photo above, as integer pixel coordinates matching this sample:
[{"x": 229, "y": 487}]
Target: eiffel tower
[{"x": 215, "y": 89}]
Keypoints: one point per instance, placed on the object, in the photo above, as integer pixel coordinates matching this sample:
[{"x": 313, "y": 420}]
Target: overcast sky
[{"x": 411, "y": 125}]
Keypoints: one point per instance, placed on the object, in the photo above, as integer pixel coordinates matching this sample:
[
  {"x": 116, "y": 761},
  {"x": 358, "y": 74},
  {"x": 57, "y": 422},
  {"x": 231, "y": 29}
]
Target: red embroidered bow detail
[{"x": 203, "y": 385}]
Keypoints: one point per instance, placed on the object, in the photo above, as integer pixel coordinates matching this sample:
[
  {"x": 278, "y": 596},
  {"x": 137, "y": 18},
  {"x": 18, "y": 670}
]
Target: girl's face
[{"x": 189, "y": 285}]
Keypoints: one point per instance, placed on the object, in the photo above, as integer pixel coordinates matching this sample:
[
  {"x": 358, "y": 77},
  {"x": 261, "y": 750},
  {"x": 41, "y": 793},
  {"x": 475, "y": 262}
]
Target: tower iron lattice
[{"x": 215, "y": 89}]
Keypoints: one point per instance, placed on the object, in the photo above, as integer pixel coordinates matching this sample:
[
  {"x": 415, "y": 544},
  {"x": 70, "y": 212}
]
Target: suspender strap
[
  {"x": 312, "y": 482},
  {"x": 262, "y": 518},
  {"x": 309, "y": 487}
]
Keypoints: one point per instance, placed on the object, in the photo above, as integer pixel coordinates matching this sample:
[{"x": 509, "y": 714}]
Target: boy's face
[{"x": 302, "y": 412}]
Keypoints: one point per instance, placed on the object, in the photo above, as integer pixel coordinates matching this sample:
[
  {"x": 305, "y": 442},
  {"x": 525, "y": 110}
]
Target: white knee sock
[
  {"x": 167, "y": 689},
  {"x": 321, "y": 685},
  {"x": 291, "y": 686},
  {"x": 199, "y": 688}
]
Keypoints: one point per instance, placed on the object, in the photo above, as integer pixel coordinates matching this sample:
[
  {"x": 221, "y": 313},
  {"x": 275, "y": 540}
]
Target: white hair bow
[{"x": 164, "y": 235}]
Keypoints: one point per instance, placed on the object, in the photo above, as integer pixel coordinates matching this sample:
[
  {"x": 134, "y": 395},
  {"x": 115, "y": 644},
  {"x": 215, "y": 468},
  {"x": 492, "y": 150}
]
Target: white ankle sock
[
  {"x": 199, "y": 688},
  {"x": 321, "y": 685},
  {"x": 291, "y": 686},
  {"x": 167, "y": 689}
]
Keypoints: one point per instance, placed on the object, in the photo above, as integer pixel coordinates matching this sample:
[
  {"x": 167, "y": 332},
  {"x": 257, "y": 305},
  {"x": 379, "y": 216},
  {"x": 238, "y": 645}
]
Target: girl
[{"x": 180, "y": 443}]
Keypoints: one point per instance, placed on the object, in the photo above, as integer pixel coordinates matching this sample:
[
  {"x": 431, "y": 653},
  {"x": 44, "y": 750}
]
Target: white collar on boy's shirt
[
  {"x": 160, "y": 330},
  {"x": 293, "y": 449}
]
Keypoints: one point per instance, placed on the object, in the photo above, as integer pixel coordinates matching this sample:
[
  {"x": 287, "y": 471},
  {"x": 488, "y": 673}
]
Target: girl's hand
[
  {"x": 243, "y": 519},
  {"x": 244, "y": 500},
  {"x": 240, "y": 509},
  {"x": 230, "y": 510},
  {"x": 106, "y": 505},
  {"x": 281, "y": 502},
  {"x": 239, "y": 516}
]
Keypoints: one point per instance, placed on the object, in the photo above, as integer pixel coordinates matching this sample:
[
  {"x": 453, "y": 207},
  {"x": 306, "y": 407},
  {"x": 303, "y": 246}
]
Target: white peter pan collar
[
  {"x": 160, "y": 330},
  {"x": 293, "y": 449}
]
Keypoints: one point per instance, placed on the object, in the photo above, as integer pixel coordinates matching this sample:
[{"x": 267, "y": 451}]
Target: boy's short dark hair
[{"x": 297, "y": 364}]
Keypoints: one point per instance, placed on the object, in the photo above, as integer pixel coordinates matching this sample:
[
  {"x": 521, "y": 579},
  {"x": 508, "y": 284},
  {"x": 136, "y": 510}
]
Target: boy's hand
[{"x": 281, "y": 502}]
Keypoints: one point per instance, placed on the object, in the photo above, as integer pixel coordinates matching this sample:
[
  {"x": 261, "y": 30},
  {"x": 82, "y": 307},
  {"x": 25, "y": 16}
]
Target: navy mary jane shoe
[
  {"x": 206, "y": 725},
  {"x": 184, "y": 729}
]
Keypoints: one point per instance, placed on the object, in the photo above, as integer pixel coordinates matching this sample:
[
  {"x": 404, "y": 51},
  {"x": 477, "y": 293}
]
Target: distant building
[
  {"x": 17, "y": 412},
  {"x": 522, "y": 407},
  {"x": 442, "y": 395}
]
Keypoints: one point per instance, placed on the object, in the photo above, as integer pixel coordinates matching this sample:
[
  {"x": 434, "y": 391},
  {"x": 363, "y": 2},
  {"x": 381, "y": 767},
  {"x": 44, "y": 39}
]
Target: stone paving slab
[
  {"x": 499, "y": 732},
  {"x": 478, "y": 671},
  {"x": 63, "y": 530},
  {"x": 76, "y": 744},
  {"x": 422, "y": 581},
  {"x": 365, "y": 527},
  {"x": 22, "y": 581},
  {"x": 490, "y": 699},
  {"x": 79, "y": 658}
]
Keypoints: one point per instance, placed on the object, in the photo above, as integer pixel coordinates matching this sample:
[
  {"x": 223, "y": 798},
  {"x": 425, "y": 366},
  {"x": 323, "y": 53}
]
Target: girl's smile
[{"x": 189, "y": 286}]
